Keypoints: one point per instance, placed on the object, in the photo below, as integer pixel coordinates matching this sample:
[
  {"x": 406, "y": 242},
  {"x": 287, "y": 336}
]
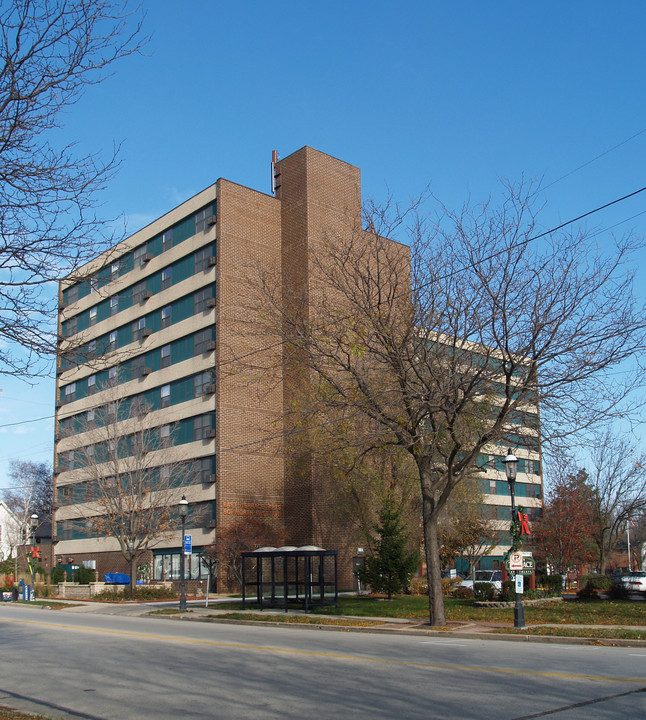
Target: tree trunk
[{"x": 433, "y": 566}]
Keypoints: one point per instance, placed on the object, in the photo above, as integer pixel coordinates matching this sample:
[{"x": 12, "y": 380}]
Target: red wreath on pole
[{"x": 35, "y": 552}]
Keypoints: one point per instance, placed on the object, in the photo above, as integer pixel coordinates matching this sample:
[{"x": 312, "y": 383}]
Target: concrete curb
[{"x": 389, "y": 629}]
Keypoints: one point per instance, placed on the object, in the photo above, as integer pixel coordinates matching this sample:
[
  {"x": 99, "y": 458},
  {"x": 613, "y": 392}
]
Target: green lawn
[
  {"x": 45, "y": 603},
  {"x": 298, "y": 619},
  {"x": 574, "y": 612}
]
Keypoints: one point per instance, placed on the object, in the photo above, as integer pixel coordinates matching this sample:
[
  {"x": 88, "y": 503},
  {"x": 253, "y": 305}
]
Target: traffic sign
[
  {"x": 515, "y": 561},
  {"x": 520, "y": 563},
  {"x": 188, "y": 544}
]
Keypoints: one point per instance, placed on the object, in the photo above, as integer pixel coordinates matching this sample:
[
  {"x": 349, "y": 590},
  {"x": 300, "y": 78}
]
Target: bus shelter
[{"x": 306, "y": 576}]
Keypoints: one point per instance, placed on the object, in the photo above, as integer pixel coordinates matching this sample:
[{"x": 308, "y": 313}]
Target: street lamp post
[
  {"x": 33, "y": 523},
  {"x": 183, "y": 511},
  {"x": 131, "y": 552},
  {"x": 511, "y": 468}
]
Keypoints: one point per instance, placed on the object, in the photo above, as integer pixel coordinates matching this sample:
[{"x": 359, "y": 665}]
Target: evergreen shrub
[{"x": 484, "y": 592}]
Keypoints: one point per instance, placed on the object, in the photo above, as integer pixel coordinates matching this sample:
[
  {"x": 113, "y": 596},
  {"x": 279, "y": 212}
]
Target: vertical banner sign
[{"x": 188, "y": 544}]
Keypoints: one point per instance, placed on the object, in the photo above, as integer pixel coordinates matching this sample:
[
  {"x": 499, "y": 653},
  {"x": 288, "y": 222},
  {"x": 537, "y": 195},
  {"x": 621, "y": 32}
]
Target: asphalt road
[{"x": 72, "y": 665}]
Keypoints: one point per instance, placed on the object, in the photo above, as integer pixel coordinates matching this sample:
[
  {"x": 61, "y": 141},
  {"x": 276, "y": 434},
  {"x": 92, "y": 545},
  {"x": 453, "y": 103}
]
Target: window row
[
  {"x": 139, "y": 366},
  {"x": 200, "y": 470},
  {"x": 198, "y": 302},
  {"x": 199, "y": 515},
  {"x": 501, "y": 487},
  {"x": 157, "y": 398},
  {"x": 136, "y": 294},
  {"x": 186, "y": 228},
  {"x": 138, "y": 444},
  {"x": 166, "y": 565},
  {"x": 497, "y": 462}
]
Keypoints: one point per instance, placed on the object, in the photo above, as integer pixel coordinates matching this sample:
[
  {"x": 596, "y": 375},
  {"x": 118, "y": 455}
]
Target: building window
[
  {"x": 137, "y": 366},
  {"x": 202, "y": 470},
  {"x": 201, "y": 259},
  {"x": 166, "y": 278},
  {"x": 164, "y": 435},
  {"x": 201, "y": 384},
  {"x": 91, "y": 385},
  {"x": 164, "y": 396},
  {"x": 165, "y": 316},
  {"x": 94, "y": 283},
  {"x": 72, "y": 293},
  {"x": 70, "y": 392},
  {"x": 201, "y": 300},
  {"x": 91, "y": 348},
  {"x": 166, "y": 566},
  {"x": 66, "y": 460},
  {"x": 201, "y": 219},
  {"x": 165, "y": 356},
  {"x": 112, "y": 376},
  {"x": 112, "y": 341},
  {"x": 93, "y": 315},
  {"x": 202, "y": 427},
  {"x": 71, "y": 326},
  {"x": 202, "y": 341},
  {"x": 89, "y": 416},
  {"x": 65, "y": 495},
  {"x": 114, "y": 305},
  {"x": 139, "y": 293},
  {"x": 65, "y": 427},
  {"x": 167, "y": 240},
  {"x": 138, "y": 328},
  {"x": 114, "y": 271},
  {"x": 140, "y": 256},
  {"x": 112, "y": 410}
]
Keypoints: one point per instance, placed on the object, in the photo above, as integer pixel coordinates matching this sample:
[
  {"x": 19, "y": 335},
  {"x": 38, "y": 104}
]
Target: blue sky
[{"x": 456, "y": 94}]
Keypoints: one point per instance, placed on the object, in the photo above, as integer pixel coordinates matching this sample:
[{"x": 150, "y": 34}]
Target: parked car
[
  {"x": 485, "y": 576},
  {"x": 634, "y": 581}
]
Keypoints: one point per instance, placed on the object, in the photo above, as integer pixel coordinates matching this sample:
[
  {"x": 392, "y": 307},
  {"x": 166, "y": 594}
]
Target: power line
[
  {"x": 589, "y": 162},
  {"x": 24, "y": 422},
  {"x": 520, "y": 243}
]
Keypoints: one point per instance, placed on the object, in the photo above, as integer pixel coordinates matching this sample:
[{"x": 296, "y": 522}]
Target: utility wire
[
  {"x": 520, "y": 243},
  {"x": 594, "y": 159}
]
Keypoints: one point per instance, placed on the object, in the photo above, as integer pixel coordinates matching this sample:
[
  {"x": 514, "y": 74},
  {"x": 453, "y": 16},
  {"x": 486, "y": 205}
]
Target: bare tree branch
[{"x": 50, "y": 50}]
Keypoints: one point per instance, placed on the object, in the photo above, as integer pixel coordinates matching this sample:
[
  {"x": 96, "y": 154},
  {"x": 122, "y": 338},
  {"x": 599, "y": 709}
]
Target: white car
[
  {"x": 485, "y": 576},
  {"x": 635, "y": 581}
]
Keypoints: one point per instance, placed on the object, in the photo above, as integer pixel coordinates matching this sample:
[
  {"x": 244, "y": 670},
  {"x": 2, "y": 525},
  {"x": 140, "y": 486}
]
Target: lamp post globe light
[
  {"x": 33, "y": 524},
  {"x": 511, "y": 470},
  {"x": 183, "y": 512}
]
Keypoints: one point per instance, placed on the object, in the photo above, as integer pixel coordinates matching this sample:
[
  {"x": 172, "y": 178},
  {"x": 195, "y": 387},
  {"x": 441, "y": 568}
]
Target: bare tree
[
  {"x": 31, "y": 490},
  {"x": 30, "y": 493},
  {"x": 442, "y": 349},
  {"x": 617, "y": 481},
  {"x": 50, "y": 51},
  {"x": 131, "y": 489}
]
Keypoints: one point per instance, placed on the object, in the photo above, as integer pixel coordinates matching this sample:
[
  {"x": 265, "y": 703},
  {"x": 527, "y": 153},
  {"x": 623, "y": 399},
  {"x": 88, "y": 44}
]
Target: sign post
[{"x": 188, "y": 544}]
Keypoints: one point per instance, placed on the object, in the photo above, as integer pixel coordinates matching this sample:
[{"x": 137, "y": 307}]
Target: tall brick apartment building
[{"x": 164, "y": 316}]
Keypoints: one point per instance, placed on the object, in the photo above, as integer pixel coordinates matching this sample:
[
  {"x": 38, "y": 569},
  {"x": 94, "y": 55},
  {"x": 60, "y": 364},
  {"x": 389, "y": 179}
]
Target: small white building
[{"x": 10, "y": 535}]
